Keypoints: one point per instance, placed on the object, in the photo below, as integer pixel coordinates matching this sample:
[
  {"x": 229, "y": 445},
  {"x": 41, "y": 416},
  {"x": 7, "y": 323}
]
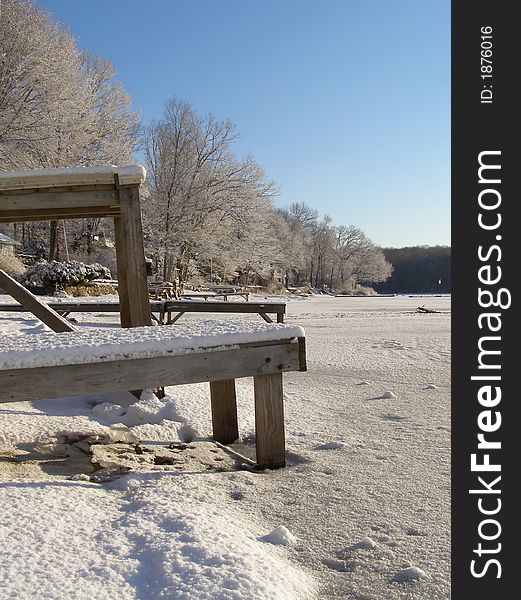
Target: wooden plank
[
  {"x": 78, "y": 307},
  {"x": 265, "y": 317},
  {"x": 172, "y": 320},
  {"x": 113, "y": 376},
  {"x": 16, "y": 216},
  {"x": 224, "y": 411},
  {"x": 56, "y": 177},
  {"x": 269, "y": 421},
  {"x": 132, "y": 246},
  {"x": 77, "y": 176},
  {"x": 39, "y": 309},
  {"x": 226, "y": 307},
  {"x": 59, "y": 199}
]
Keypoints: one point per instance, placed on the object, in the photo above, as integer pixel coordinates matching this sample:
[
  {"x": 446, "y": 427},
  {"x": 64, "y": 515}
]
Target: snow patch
[
  {"x": 365, "y": 543},
  {"x": 410, "y": 574},
  {"x": 108, "y": 412},
  {"x": 331, "y": 446},
  {"x": 280, "y": 536},
  {"x": 41, "y": 328}
]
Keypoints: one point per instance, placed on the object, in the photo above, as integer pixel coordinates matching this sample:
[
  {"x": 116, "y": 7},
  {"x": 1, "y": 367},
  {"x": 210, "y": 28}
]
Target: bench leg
[
  {"x": 269, "y": 421},
  {"x": 265, "y": 317},
  {"x": 224, "y": 411}
]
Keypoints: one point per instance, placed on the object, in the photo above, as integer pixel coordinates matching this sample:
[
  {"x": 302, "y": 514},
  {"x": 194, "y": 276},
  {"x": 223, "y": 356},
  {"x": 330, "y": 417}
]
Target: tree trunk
[{"x": 53, "y": 240}]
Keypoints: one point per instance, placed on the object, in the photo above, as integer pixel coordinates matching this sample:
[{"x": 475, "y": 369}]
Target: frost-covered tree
[
  {"x": 202, "y": 198},
  {"x": 59, "y": 106},
  {"x": 339, "y": 257}
]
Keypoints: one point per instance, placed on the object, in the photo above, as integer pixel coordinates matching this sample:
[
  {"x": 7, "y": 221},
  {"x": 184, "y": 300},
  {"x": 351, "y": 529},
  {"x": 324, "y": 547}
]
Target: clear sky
[{"x": 345, "y": 103}]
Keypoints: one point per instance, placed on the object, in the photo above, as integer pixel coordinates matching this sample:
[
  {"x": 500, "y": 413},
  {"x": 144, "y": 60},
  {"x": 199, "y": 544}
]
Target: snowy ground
[{"x": 361, "y": 512}]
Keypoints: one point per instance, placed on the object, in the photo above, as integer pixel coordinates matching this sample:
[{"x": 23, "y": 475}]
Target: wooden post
[
  {"x": 224, "y": 411},
  {"x": 121, "y": 256},
  {"x": 39, "y": 309},
  {"x": 131, "y": 256},
  {"x": 269, "y": 421}
]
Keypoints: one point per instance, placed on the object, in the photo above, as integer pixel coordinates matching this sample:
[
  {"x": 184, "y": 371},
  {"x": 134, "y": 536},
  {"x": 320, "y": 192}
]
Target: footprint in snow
[
  {"x": 414, "y": 531},
  {"x": 331, "y": 446},
  {"x": 410, "y": 574},
  {"x": 342, "y": 566}
]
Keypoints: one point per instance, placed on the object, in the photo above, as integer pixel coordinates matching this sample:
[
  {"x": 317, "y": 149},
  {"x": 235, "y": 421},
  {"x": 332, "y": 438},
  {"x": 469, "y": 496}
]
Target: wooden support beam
[
  {"x": 224, "y": 411},
  {"x": 129, "y": 244},
  {"x": 175, "y": 318},
  {"x": 121, "y": 261},
  {"x": 269, "y": 421},
  {"x": 39, "y": 309},
  {"x": 265, "y": 317},
  {"x": 17, "y": 385},
  {"x": 53, "y": 214}
]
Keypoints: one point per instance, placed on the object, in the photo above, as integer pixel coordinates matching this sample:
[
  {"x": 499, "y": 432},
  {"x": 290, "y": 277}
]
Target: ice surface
[{"x": 196, "y": 535}]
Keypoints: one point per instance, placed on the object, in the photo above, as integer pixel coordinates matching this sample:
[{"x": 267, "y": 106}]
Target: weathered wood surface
[
  {"x": 112, "y": 376},
  {"x": 245, "y": 295},
  {"x": 133, "y": 285},
  {"x": 50, "y": 194},
  {"x": 65, "y": 176},
  {"x": 269, "y": 420},
  {"x": 31, "y": 303},
  {"x": 261, "y": 308},
  {"x": 224, "y": 411}
]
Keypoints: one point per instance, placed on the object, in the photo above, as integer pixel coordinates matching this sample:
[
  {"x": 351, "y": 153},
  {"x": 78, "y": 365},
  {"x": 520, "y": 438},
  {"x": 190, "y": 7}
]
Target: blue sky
[{"x": 345, "y": 103}]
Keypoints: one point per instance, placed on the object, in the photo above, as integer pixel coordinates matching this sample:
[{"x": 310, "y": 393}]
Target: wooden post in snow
[
  {"x": 224, "y": 411},
  {"x": 132, "y": 271},
  {"x": 269, "y": 420}
]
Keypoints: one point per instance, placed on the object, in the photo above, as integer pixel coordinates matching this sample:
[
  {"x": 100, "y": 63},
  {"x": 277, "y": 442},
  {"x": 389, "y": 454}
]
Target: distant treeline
[{"x": 418, "y": 269}]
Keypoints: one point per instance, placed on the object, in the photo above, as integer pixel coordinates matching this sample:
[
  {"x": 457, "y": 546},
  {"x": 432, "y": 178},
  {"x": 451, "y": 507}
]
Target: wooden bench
[
  {"x": 261, "y": 308},
  {"x": 52, "y": 365},
  {"x": 168, "y": 311}
]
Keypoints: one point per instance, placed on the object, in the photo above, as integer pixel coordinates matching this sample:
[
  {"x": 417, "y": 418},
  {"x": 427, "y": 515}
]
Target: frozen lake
[{"x": 366, "y": 494}]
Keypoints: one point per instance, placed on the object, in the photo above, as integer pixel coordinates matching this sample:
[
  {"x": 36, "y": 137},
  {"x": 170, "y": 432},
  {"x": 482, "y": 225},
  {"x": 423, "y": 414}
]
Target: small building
[{"x": 8, "y": 245}]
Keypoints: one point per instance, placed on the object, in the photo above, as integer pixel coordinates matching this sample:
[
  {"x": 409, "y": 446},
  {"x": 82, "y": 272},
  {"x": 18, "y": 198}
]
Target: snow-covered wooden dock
[{"x": 54, "y": 365}]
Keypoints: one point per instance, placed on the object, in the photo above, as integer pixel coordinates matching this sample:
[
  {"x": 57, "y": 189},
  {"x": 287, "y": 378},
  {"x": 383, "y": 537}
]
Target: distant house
[{"x": 8, "y": 245}]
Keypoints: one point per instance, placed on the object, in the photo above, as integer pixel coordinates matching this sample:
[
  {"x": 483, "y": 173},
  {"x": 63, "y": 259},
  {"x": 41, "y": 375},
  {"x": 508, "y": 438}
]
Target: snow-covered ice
[{"x": 366, "y": 498}]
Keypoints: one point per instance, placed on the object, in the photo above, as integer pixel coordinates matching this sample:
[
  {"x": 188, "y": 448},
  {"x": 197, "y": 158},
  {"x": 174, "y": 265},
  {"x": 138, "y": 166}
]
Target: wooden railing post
[
  {"x": 224, "y": 411},
  {"x": 132, "y": 273},
  {"x": 269, "y": 421}
]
